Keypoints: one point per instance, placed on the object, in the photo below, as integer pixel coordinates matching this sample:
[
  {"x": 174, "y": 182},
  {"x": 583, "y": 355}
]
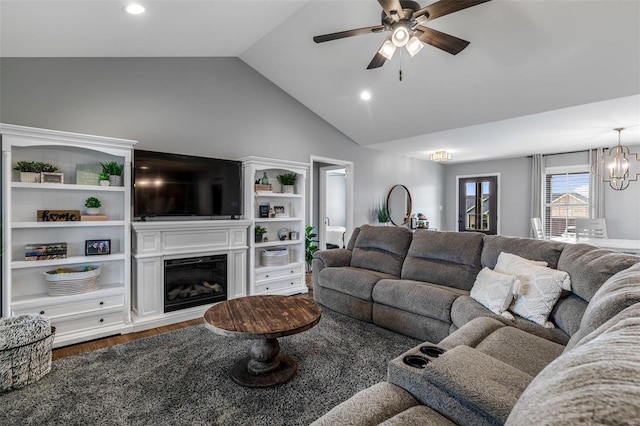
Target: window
[
  {"x": 566, "y": 199},
  {"x": 478, "y": 204}
]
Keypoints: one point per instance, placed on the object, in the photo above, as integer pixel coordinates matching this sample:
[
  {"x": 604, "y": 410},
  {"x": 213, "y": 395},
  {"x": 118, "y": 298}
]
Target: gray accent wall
[
  {"x": 213, "y": 107},
  {"x": 622, "y": 208}
]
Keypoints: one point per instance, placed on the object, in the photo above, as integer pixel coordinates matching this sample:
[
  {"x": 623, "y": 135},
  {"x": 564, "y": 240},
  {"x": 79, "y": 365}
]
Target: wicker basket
[
  {"x": 73, "y": 281},
  {"x": 275, "y": 256},
  {"x": 26, "y": 363}
]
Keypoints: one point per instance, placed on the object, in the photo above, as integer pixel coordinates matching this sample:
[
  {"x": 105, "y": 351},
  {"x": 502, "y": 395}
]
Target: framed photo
[
  {"x": 95, "y": 247},
  {"x": 263, "y": 210},
  {"x": 281, "y": 210},
  {"x": 49, "y": 177}
]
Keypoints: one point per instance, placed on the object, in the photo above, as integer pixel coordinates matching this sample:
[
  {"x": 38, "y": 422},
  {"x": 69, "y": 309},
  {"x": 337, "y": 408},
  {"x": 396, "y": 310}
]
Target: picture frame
[
  {"x": 281, "y": 210},
  {"x": 263, "y": 210},
  {"x": 97, "y": 247},
  {"x": 51, "y": 177}
]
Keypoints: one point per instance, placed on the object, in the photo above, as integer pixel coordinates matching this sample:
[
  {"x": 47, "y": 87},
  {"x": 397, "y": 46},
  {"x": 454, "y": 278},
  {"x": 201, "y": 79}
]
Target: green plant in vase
[
  {"x": 104, "y": 179},
  {"x": 259, "y": 231},
  {"x": 93, "y": 205},
  {"x": 114, "y": 169},
  {"x": 30, "y": 170},
  {"x": 382, "y": 214},
  {"x": 288, "y": 181},
  {"x": 310, "y": 246}
]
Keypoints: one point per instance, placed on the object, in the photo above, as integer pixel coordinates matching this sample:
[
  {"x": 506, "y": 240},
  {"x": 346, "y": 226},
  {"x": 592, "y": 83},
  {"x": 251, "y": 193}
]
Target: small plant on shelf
[
  {"x": 260, "y": 231},
  {"x": 35, "y": 167},
  {"x": 104, "y": 179},
  {"x": 112, "y": 168},
  {"x": 288, "y": 178},
  {"x": 92, "y": 202}
]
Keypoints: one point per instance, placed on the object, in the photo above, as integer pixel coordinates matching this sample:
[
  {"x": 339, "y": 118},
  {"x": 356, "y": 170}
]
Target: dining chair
[
  {"x": 591, "y": 228},
  {"x": 538, "y": 230}
]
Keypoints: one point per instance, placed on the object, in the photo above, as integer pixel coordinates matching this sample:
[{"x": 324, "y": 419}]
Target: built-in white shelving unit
[
  {"x": 286, "y": 277},
  {"x": 77, "y": 317}
]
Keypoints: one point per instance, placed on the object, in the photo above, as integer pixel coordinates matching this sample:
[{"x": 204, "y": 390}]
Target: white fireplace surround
[{"x": 157, "y": 241}]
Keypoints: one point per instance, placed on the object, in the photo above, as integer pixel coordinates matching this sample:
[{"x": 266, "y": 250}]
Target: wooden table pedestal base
[{"x": 264, "y": 366}]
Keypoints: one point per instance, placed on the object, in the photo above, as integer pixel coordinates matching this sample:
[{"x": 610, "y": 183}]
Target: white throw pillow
[
  {"x": 495, "y": 291},
  {"x": 540, "y": 287}
]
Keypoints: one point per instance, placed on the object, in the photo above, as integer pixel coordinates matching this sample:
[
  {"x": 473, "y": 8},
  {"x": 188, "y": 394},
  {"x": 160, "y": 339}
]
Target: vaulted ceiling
[{"x": 538, "y": 76}]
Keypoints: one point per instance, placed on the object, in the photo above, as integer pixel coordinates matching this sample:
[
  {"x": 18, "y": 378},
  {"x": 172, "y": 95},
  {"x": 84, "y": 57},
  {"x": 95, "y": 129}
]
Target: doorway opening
[{"x": 331, "y": 199}]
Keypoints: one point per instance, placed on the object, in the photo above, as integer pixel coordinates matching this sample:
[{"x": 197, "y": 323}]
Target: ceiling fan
[{"x": 404, "y": 19}]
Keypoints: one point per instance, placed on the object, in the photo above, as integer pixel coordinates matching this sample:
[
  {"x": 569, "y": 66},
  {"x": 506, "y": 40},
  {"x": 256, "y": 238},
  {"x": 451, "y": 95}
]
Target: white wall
[
  {"x": 336, "y": 199},
  {"x": 215, "y": 107}
]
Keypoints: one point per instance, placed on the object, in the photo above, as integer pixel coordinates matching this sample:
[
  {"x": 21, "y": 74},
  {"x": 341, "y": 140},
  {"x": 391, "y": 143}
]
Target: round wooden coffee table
[{"x": 263, "y": 319}]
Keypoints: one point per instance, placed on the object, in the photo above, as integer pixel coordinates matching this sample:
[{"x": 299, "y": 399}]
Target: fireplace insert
[{"x": 194, "y": 281}]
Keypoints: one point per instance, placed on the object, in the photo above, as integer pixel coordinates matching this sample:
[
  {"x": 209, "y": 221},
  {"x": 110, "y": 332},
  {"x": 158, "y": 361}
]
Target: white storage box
[
  {"x": 73, "y": 281},
  {"x": 275, "y": 256}
]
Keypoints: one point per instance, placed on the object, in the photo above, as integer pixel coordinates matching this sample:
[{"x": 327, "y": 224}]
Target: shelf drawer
[
  {"x": 278, "y": 273},
  {"x": 85, "y": 322},
  {"x": 275, "y": 285},
  {"x": 55, "y": 309}
]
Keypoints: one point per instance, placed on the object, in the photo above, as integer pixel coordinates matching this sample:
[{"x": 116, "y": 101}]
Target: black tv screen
[{"x": 174, "y": 185}]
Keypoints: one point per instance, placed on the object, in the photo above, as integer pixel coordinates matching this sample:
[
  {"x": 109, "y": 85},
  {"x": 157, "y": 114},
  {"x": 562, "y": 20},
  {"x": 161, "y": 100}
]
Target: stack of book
[{"x": 45, "y": 251}]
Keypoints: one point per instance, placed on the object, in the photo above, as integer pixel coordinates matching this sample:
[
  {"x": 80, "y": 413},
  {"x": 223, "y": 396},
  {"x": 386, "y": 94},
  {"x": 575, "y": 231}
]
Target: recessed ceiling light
[
  {"x": 134, "y": 9},
  {"x": 365, "y": 95}
]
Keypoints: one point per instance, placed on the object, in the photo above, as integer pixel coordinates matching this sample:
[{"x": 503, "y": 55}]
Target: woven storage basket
[
  {"x": 28, "y": 362},
  {"x": 275, "y": 256},
  {"x": 73, "y": 282}
]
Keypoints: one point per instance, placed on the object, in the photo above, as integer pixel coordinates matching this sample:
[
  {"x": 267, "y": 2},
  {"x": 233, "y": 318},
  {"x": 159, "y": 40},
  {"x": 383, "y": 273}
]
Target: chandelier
[{"x": 614, "y": 167}]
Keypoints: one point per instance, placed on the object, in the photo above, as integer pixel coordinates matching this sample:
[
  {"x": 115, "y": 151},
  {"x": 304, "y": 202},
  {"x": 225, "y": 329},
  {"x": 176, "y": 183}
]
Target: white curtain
[
  {"x": 596, "y": 198},
  {"x": 537, "y": 184}
]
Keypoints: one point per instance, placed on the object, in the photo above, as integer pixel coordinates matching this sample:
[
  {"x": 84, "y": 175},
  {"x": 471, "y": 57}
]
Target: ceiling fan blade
[
  {"x": 349, "y": 33},
  {"x": 377, "y": 61},
  {"x": 392, "y": 7},
  {"x": 446, "y": 42},
  {"x": 444, "y": 7}
]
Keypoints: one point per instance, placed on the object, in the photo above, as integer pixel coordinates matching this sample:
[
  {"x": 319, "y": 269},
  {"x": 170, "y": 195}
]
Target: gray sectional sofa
[{"x": 488, "y": 369}]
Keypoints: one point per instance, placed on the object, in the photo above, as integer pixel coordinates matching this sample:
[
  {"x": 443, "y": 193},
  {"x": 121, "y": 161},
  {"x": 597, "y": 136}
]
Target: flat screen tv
[{"x": 185, "y": 187}]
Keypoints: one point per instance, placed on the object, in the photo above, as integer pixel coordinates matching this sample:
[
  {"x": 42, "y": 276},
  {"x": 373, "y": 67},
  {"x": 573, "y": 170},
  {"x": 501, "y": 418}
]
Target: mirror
[{"x": 399, "y": 205}]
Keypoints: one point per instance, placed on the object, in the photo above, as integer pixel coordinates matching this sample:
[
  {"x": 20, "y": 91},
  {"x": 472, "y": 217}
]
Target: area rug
[{"x": 181, "y": 378}]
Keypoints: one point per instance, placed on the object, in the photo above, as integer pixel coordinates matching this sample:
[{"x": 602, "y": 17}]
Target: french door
[{"x": 478, "y": 204}]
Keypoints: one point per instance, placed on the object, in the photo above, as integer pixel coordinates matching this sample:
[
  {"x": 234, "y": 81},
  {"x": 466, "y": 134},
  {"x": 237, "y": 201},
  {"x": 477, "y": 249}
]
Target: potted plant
[
  {"x": 93, "y": 205},
  {"x": 114, "y": 169},
  {"x": 104, "y": 179},
  {"x": 310, "y": 247},
  {"x": 382, "y": 214},
  {"x": 287, "y": 180},
  {"x": 30, "y": 170},
  {"x": 260, "y": 231}
]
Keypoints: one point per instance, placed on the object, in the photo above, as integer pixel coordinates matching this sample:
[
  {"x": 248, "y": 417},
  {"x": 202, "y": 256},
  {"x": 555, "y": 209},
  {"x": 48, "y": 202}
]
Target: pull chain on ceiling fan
[{"x": 404, "y": 20}]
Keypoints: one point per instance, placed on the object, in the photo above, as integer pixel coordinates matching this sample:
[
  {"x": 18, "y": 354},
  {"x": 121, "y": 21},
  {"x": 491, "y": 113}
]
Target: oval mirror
[{"x": 399, "y": 205}]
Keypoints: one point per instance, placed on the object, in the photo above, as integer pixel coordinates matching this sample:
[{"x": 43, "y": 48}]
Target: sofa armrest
[
  {"x": 477, "y": 380},
  {"x": 334, "y": 258},
  {"x": 463, "y": 384},
  {"x": 472, "y": 333}
]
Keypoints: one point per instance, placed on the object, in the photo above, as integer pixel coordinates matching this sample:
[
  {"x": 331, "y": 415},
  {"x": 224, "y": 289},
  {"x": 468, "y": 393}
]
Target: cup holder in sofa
[
  {"x": 432, "y": 351},
  {"x": 416, "y": 361}
]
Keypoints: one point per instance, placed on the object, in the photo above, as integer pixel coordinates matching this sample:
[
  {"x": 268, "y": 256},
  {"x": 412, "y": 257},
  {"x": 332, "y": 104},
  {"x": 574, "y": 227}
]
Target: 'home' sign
[{"x": 58, "y": 215}]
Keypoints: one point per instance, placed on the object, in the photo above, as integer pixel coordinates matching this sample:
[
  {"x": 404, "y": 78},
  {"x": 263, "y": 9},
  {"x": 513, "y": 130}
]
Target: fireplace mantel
[{"x": 156, "y": 241}]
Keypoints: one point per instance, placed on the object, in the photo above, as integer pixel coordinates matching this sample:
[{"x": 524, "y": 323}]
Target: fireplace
[{"x": 194, "y": 281}]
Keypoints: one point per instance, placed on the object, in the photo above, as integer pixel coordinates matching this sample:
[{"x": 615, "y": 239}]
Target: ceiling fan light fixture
[
  {"x": 414, "y": 45},
  {"x": 441, "y": 156},
  {"x": 400, "y": 36},
  {"x": 387, "y": 49}
]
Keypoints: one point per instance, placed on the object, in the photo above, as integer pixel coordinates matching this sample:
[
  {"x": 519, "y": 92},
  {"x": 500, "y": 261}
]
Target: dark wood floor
[{"x": 124, "y": 338}]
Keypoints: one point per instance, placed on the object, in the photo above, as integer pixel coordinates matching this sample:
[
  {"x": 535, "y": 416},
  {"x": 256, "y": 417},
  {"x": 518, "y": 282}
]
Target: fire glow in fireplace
[{"x": 194, "y": 281}]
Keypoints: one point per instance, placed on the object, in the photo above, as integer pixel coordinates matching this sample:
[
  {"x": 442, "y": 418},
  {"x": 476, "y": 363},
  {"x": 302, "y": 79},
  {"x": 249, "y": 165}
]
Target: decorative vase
[
  {"x": 115, "y": 180},
  {"x": 288, "y": 189},
  {"x": 105, "y": 183},
  {"x": 93, "y": 210},
  {"x": 265, "y": 179},
  {"x": 30, "y": 177},
  {"x": 258, "y": 238}
]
